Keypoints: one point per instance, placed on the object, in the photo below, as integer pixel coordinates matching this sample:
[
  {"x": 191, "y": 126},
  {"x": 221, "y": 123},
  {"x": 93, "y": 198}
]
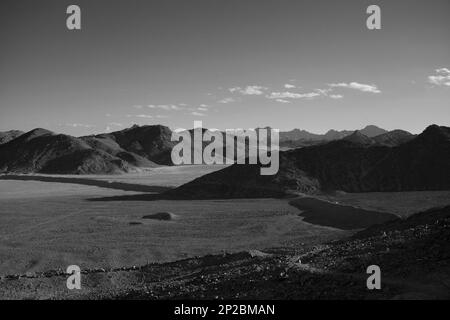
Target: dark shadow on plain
[
  {"x": 339, "y": 216},
  {"x": 135, "y": 197},
  {"x": 89, "y": 182}
]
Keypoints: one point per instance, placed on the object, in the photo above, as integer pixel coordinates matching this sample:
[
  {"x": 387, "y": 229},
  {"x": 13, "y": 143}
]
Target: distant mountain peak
[
  {"x": 434, "y": 132},
  {"x": 393, "y": 138},
  {"x": 371, "y": 126},
  {"x": 359, "y": 138},
  {"x": 38, "y": 132},
  {"x": 372, "y": 131}
]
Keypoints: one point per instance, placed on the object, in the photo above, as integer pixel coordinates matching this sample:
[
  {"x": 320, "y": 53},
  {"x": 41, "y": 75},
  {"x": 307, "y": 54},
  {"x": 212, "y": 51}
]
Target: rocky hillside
[
  {"x": 9, "y": 135},
  {"x": 413, "y": 254},
  {"x": 43, "y": 151},
  {"x": 393, "y": 138},
  {"x": 149, "y": 142},
  {"x": 420, "y": 164}
]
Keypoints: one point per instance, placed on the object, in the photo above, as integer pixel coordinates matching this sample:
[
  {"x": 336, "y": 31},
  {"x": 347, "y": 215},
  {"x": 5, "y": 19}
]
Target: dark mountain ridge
[
  {"x": 9, "y": 135},
  {"x": 297, "y": 134},
  {"x": 351, "y": 165},
  {"x": 150, "y": 142},
  {"x": 300, "y": 138},
  {"x": 316, "y": 167},
  {"x": 43, "y": 151}
]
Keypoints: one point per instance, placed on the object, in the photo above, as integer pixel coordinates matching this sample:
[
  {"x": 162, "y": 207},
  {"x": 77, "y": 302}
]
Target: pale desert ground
[{"x": 46, "y": 225}]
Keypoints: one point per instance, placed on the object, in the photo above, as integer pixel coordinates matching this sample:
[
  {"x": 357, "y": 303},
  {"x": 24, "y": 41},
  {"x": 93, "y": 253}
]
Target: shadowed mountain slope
[
  {"x": 420, "y": 164},
  {"x": 351, "y": 165},
  {"x": 300, "y": 138},
  {"x": 43, "y": 151},
  {"x": 359, "y": 138},
  {"x": 393, "y": 138},
  {"x": 150, "y": 142},
  {"x": 109, "y": 145},
  {"x": 372, "y": 131},
  {"x": 9, "y": 135}
]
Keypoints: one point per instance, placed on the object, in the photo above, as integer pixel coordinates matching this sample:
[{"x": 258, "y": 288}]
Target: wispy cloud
[
  {"x": 203, "y": 107},
  {"x": 116, "y": 124},
  {"x": 441, "y": 77},
  {"x": 226, "y": 100},
  {"x": 289, "y": 86},
  {"x": 77, "y": 125},
  {"x": 167, "y": 107},
  {"x": 198, "y": 114},
  {"x": 249, "y": 90},
  {"x": 111, "y": 126},
  {"x": 143, "y": 116},
  {"x": 293, "y": 95},
  {"x": 282, "y": 101},
  {"x": 357, "y": 86},
  {"x": 283, "y": 97}
]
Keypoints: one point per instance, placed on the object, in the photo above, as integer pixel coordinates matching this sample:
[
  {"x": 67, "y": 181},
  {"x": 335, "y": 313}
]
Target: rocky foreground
[{"x": 413, "y": 254}]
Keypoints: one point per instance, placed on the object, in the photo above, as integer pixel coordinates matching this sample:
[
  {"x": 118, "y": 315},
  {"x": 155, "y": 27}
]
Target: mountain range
[
  {"x": 310, "y": 168},
  {"x": 301, "y": 138},
  {"x": 297, "y": 134},
  {"x": 355, "y": 163},
  {"x": 42, "y": 151}
]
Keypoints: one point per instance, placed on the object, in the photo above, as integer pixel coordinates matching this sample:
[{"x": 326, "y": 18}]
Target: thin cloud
[
  {"x": 356, "y": 86},
  {"x": 441, "y": 78},
  {"x": 145, "y": 116},
  {"x": 198, "y": 114},
  {"x": 167, "y": 107},
  {"x": 282, "y": 101},
  {"x": 293, "y": 95},
  {"x": 116, "y": 124},
  {"x": 77, "y": 125},
  {"x": 110, "y": 126},
  {"x": 283, "y": 97},
  {"x": 249, "y": 90},
  {"x": 226, "y": 100},
  {"x": 289, "y": 86},
  {"x": 203, "y": 107}
]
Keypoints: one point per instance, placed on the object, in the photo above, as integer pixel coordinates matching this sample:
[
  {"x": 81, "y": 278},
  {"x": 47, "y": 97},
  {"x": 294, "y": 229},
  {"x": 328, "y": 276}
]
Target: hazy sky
[{"x": 230, "y": 63}]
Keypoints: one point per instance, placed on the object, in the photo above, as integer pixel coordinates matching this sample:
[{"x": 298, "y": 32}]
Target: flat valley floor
[
  {"x": 46, "y": 225},
  {"x": 51, "y": 225}
]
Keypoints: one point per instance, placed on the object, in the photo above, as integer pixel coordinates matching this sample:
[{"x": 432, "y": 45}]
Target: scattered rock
[
  {"x": 257, "y": 253},
  {"x": 165, "y": 216}
]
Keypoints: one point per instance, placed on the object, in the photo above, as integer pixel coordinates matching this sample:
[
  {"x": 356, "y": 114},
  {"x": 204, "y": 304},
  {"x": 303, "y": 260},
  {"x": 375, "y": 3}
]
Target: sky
[{"x": 311, "y": 65}]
